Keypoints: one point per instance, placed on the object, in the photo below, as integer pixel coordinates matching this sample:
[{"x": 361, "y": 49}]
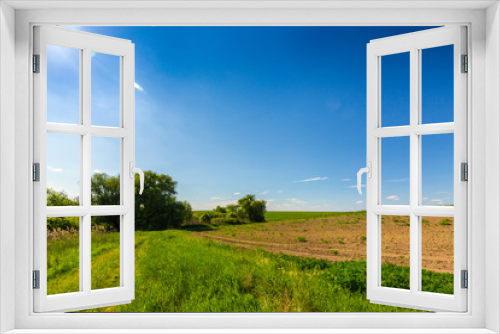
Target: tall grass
[{"x": 176, "y": 272}]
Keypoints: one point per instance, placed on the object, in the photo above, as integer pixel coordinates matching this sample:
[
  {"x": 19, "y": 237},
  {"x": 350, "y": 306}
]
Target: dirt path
[{"x": 343, "y": 238}]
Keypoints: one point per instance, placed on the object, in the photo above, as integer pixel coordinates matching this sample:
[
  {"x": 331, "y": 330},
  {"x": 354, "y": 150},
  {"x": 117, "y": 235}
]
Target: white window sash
[
  {"x": 413, "y": 43},
  {"x": 86, "y": 297}
]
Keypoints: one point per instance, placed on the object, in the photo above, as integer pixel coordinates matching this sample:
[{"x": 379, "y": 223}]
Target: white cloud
[
  {"x": 138, "y": 87},
  {"x": 97, "y": 171},
  {"x": 57, "y": 170},
  {"x": 359, "y": 202},
  {"x": 318, "y": 178},
  {"x": 279, "y": 191},
  {"x": 237, "y": 194},
  {"x": 397, "y": 180},
  {"x": 345, "y": 180},
  {"x": 265, "y": 192},
  {"x": 215, "y": 198},
  {"x": 296, "y": 201},
  {"x": 393, "y": 197},
  {"x": 355, "y": 186},
  {"x": 210, "y": 206},
  {"x": 437, "y": 200},
  {"x": 425, "y": 198}
]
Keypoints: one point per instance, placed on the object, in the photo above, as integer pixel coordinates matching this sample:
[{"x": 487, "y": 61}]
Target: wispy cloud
[
  {"x": 216, "y": 198},
  {"x": 57, "y": 170},
  {"x": 265, "y": 192},
  {"x": 393, "y": 197},
  {"x": 359, "y": 202},
  {"x": 97, "y": 171},
  {"x": 296, "y": 201},
  {"x": 355, "y": 186},
  {"x": 437, "y": 200},
  {"x": 397, "y": 180},
  {"x": 425, "y": 198},
  {"x": 237, "y": 194},
  {"x": 138, "y": 87},
  {"x": 318, "y": 178},
  {"x": 345, "y": 180}
]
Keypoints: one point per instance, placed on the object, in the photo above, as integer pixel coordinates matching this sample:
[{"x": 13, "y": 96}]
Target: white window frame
[
  {"x": 85, "y": 43},
  {"x": 414, "y": 43},
  {"x": 482, "y": 19}
]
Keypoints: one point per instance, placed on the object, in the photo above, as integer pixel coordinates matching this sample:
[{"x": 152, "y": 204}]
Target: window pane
[
  {"x": 105, "y": 171},
  {"x": 437, "y": 254},
  {"x": 63, "y": 84},
  {"x": 63, "y": 255},
  {"x": 437, "y": 84},
  {"x": 437, "y": 169},
  {"x": 105, "y": 252},
  {"x": 63, "y": 169},
  {"x": 105, "y": 90},
  {"x": 395, "y": 171},
  {"x": 395, "y": 90},
  {"x": 395, "y": 251}
]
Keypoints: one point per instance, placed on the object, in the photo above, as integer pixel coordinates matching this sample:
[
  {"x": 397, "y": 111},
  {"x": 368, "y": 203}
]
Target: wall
[
  {"x": 7, "y": 160},
  {"x": 492, "y": 167}
]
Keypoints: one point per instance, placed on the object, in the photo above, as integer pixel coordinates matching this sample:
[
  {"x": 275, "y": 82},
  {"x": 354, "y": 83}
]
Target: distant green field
[
  {"x": 286, "y": 215},
  {"x": 178, "y": 272}
]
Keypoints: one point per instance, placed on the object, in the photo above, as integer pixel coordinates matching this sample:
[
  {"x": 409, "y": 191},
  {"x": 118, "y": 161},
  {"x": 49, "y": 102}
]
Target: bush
[
  {"x": 301, "y": 239},
  {"x": 230, "y": 215},
  {"x": 225, "y": 221},
  {"x": 252, "y": 209},
  {"x": 63, "y": 223},
  {"x": 445, "y": 221},
  {"x": 204, "y": 218}
]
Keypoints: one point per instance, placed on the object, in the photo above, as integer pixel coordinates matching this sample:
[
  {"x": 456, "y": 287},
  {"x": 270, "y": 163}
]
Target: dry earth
[{"x": 344, "y": 238}]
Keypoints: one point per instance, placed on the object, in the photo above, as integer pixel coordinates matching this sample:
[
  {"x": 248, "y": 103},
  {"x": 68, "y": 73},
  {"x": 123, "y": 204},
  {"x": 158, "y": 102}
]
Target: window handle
[
  {"x": 133, "y": 170},
  {"x": 368, "y": 171}
]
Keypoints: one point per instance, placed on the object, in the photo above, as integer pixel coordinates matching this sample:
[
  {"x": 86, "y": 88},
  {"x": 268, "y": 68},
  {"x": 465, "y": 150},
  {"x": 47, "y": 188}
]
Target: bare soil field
[{"x": 343, "y": 238}]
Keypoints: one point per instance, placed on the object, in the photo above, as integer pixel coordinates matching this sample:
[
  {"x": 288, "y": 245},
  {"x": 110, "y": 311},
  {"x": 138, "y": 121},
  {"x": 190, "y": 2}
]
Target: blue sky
[{"x": 279, "y": 112}]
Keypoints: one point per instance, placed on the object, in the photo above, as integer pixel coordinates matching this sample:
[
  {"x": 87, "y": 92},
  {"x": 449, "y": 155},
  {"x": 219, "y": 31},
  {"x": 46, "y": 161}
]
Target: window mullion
[
  {"x": 86, "y": 238},
  {"x": 414, "y": 171}
]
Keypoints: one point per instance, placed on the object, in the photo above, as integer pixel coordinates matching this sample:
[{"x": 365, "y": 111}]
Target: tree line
[{"x": 156, "y": 209}]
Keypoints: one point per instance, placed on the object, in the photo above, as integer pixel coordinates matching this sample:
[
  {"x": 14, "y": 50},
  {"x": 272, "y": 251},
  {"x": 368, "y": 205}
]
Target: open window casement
[
  {"x": 415, "y": 45},
  {"x": 55, "y": 137}
]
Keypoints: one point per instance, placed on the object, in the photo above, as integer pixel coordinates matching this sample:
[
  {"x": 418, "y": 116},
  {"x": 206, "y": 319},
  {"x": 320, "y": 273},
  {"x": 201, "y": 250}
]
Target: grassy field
[{"x": 193, "y": 271}]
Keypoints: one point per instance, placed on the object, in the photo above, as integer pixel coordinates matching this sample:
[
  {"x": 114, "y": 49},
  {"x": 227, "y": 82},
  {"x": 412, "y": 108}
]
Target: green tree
[
  {"x": 232, "y": 208},
  {"x": 158, "y": 208},
  {"x": 252, "y": 209},
  {"x": 105, "y": 190},
  {"x": 60, "y": 198}
]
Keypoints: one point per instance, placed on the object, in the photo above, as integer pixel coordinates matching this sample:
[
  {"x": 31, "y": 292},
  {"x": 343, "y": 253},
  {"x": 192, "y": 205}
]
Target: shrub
[
  {"x": 217, "y": 221},
  {"x": 334, "y": 252},
  {"x": 204, "y": 218},
  {"x": 301, "y": 239},
  {"x": 252, "y": 209},
  {"x": 231, "y": 214},
  {"x": 445, "y": 221},
  {"x": 363, "y": 238},
  {"x": 340, "y": 240}
]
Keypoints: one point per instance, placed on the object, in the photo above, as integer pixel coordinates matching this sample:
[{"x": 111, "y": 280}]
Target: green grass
[
  {"x": 290, "y": 215},
  {"x": 63, "y": 262},
  {"x": 177, "y": 272},
  {"x": 287, "y": 215}
]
